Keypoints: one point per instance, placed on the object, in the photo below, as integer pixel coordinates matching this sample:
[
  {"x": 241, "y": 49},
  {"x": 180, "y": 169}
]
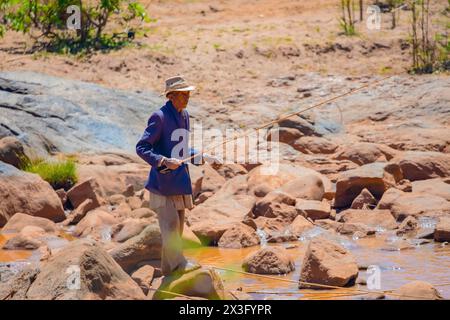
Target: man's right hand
[{"x": 171, "y": 163}]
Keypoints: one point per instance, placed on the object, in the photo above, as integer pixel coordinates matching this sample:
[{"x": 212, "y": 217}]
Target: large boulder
[
  {"x": 269, "y": 260},
  {"x": 21, "y": 220},
  {"x": 442, "y": 232},
  {"x": 417, "y": 165},
  {"x": 419, "y": 204},
  {"x": 93, "y": 223},
  {"x": 129, "y": 228},
  {"x": 12, "y": 152},
  {"x": 376, "y": 177},
  {"x": 82, "y": 270},
  {"x": 204, "y": 283},
  {"x": 365, "y": 152},
  {"x": 239, "y": 236},
  {"x": 143, "y": 247},
  {"x": 27, "y": 193},
  {"x": 82, "y": 191},
  {"x": 327, "y": 263},
  {"x": 372, "y": 218},
  {"x": 435, "y": 187},
  {"x": 416, "y": 290}
]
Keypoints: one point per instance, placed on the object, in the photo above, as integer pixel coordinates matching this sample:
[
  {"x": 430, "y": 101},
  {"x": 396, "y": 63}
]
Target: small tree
[
  {"x": 347, "y": 21},
  {"x": 46, "y": 21}
]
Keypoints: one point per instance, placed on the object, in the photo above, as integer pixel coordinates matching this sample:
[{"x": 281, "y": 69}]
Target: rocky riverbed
[{"x": 369, "y": 188}]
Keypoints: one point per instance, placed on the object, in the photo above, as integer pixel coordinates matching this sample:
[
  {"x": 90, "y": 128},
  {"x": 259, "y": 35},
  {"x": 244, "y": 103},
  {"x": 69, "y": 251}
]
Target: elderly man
[{"x": 163, "y": 144}]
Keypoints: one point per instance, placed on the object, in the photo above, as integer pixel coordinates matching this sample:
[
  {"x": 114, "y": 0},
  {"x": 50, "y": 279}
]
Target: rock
[
  {"x": 134, "y": 202},
  {"x": 100, "y": 276},
  {"x": 328, "y": 224},
  {"x": 416, "y": 290},
  {"x": 129, "y": 191},
  {"x": 190, "y": 240},
  {"x": 143, "y": 277},
  {"x": 309, "y": 187},
  {"x": 16, "y": 288},
  {"x": 22, "y": 242},
  {"x": 412, "y": 204},
  {"x": 82, "y": 191},
  {"x": 62, "y": 194},
  {"x": 435, "y": 187},
  {"x": 143, "y": 213},
  {"x": 231, "y": 170},
  {"x": 269, "y": 260},
  {"x": 11, "y": 152},
  {"x": 285, "y": 135},
  {"x": 376, "y": 177},
  {"x": 409, "y": 225},
  {"x": 313, "y": 209},
  {"x": 301, "y": 124},
  {"x": 371, "y": 218},
  {"x": 442, "y": 232},
  {"x": 416, "y": 165},
  {"x": 94, "y": 220},
  {"x": 79, "y": 213},
  {"x": 117, "y": 199},
  {"x": 209, "y": 232},
  {"x": 129, "y": 228},
  {"x": 27, "y": 193},
  {"x": 327, "y": 263},
  {"x": 300, "y": 225},
  {"x": 359, "y": 229},
  {"x": 239, "y": 236},
  {"x": 364, "y": 152},
  {"x": 314, "y": 145},
  {"x": 145, "y": 246},
  {"x": 204, "y": 283},
  {"x": 205, "y": 179},
  {"x": 275, "y": 204},
  {"x": 21, "y": 220},
  {"x": 388, "y": 198},
  {"x": 364, "y": 200}
]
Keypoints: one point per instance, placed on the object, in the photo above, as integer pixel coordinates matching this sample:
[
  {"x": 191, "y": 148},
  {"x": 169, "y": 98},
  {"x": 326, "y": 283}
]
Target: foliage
[{"x": 58, "y": 173}]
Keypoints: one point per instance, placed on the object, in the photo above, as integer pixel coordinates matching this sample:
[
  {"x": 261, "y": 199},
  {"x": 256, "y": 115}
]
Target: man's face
[{"x": 179, "y": 99}]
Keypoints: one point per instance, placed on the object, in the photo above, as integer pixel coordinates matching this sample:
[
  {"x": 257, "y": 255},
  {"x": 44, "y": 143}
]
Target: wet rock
[
  {"x": 79, "y": 213},
  {"x": 436, "y": 187},
  {"x": 314, "y": 145},
  {"x": 145, "y": 246},
  {"x": 442, "y": 232},
  {"x": 412, "y": 204},
  {"x": 371, "y": 218},
  {"x": 364, "y": 152},
  {"x": 398, "y": 245},
  {"x": 408, "y": 226},
  {"x": 269, "y": 260},
  {"x": 21, "y": 220},
  {"x": 364, "y": 200},
  {"x": 313, "y": 209},
  {"x": 416, "y": 290},
  {"x": 27, "y": 193},
  {"x": 204, "y": 283},
  {"x": 143, "y": 277},
  {"x": 376, "y": 177},
  {"x": 416, "y": 165},
  {"x": 327, "y": 263},
  {"x": 82, "y": 191},
  {"x": 239, "y": 236},
  {"x": 100, "y": 277},
  {"x": 12, "y": 152},
  {"x": 94, "y": 220}
]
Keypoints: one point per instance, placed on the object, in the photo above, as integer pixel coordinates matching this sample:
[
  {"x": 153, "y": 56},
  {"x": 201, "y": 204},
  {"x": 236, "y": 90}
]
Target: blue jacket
[{"x": 156, "y": 142}]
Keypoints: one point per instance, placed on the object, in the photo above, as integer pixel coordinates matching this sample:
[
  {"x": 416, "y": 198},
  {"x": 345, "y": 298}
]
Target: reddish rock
[
  {"x": 284, "y": 135},
  {"x": 143, "y": 277},
  {"x": 79, "y": 213},
  {"x": 275, "y": 204},
  {"x": 12, "y": 152},
  {"x": 269, "y": 260},
  {"x": 21, "y": 220},
  {"x": 27, "y": 193},
  {"x": 209, "y": 232},
  {"x": 128, "y": 228},
  {"x": 230, "y": 170},
  {"x": 388, "y": 198},
  {"x": 435, "y": 187},
  {"x": 134, "y": 202},
  {"x": 239, "y": 236},
  {"x": 314, "y": 145},
  {"x": 417, "y": 165},
  {"x": 84, "y": 190},
  {"x": 412, "y": 204},
  {"x": 190, "y": 240},
  {"x": 408, "y": 226},
  {"x": 117, "y": 199},
  {"x": 327, "y": 263},
  {"x": 299, "y": 225},
  {"x": 442, "y": 232},
  {"x": 364, "y": 152},
  {"x": 365, "y": 200},
  {"x": 416, "y": 290},
  {"x": 376, "y": 177},
  {"x": 371, "y": 218},
  {"x": 313, "y": 209},
  {"x": 143, "y": 213},
  {"x": 93, "y": 221},
  {"x": 357, "y": 228}
]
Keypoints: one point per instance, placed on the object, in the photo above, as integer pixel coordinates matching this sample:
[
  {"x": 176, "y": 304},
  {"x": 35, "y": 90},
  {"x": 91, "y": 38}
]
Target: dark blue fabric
[{"x": 156, "y": 142}]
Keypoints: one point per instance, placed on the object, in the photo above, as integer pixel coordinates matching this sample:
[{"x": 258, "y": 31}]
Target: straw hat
[{"x": 177, "y": 83}]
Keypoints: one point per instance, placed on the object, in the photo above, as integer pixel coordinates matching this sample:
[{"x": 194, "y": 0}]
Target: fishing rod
[{"x": 163, "y": 169}]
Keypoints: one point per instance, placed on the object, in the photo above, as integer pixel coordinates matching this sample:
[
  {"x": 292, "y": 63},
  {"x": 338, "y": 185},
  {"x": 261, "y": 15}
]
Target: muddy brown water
[{"x": 427, "y": 262}]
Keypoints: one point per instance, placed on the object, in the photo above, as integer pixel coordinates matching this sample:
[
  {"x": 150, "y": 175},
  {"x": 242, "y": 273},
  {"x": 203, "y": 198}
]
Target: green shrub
[{"x": 60, "y": 174}]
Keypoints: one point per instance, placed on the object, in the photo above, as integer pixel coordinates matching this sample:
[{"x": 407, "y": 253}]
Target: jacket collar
[{"x": 179, "y": 116}]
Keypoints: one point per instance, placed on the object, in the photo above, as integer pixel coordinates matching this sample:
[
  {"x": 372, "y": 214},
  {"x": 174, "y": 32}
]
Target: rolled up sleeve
[{"x": 145, "y": 146}]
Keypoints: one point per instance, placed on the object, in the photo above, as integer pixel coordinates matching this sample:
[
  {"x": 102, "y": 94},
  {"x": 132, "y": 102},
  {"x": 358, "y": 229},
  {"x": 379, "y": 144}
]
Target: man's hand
[{"x": 171, "y": 163}]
